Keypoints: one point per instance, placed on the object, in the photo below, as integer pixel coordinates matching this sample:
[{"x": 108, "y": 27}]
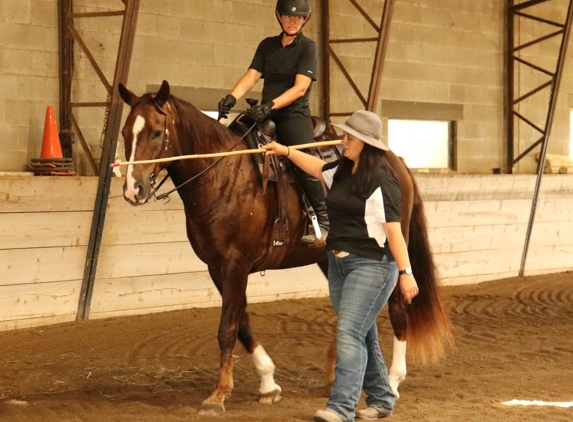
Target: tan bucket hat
[{"x": 365, "y": 126}]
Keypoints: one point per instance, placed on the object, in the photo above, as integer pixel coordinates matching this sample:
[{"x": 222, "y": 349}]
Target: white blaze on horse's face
[{"x": 132, "y": 188}]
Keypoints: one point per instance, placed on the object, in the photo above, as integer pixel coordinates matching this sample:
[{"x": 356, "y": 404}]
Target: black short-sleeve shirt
[
  {"x": 280, "y": 66},
  {"x": 356, "y": 221}
]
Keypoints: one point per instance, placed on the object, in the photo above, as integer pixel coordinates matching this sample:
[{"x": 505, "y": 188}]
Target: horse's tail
[{"x": 429, "y": 330}]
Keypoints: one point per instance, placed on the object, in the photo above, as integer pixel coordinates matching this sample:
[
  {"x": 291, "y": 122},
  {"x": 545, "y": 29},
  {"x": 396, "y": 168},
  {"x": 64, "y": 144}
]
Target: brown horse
[{"x": 230, "y": 227}]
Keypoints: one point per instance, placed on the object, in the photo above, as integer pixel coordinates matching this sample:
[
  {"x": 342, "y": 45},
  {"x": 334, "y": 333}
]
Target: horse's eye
[{"x": 156, "y": 134}]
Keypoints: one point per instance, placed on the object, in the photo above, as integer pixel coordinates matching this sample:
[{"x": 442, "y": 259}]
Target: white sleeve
[
  {"x": 328, "y": 176},
  {"x": 374, "y": 216}
]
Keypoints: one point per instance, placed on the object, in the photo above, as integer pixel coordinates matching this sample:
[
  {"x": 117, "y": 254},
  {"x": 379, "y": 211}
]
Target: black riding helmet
[{"x": 293, "y": 8}]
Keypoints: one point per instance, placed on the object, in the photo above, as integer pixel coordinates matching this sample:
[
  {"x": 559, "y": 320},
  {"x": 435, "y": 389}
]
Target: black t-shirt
[
  {"x": 356, "y": 221},
  {"x": 280, "y": 66}
]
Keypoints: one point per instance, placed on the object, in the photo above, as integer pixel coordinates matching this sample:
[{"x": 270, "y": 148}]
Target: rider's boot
[{"x": 316, "y": 193}]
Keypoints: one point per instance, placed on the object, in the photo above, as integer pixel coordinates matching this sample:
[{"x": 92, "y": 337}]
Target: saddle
[{"x": 276, "y": 169}]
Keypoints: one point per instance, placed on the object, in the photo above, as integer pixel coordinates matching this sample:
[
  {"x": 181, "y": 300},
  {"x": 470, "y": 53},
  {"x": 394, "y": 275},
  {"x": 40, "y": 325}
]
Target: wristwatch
[{"x": 406, "y": 271}]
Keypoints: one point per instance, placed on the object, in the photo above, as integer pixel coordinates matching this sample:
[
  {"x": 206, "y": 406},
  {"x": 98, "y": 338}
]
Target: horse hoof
[
  {"x": 211, "y": 409},
  {"x": 271, "y": 397}
]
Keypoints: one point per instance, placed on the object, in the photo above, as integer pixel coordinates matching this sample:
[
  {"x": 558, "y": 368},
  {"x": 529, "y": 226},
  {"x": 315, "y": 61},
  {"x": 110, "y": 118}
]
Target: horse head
[{"x": 148, "y": 134}]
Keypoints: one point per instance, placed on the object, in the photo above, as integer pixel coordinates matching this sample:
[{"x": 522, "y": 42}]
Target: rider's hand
[
  {"x": 261, "y": 112},
  {"x": 225, "y": 105},
  {"x": 408, "y": 286}
]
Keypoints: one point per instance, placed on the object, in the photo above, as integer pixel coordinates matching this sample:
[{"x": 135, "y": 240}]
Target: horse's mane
[{"x": 206, "y": 132}]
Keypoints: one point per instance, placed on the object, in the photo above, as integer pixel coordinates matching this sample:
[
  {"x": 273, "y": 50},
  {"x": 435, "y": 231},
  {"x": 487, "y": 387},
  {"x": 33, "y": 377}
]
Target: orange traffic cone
[
  {"x": 51, "y": 162},
  {"x": 51, "y": 147}
]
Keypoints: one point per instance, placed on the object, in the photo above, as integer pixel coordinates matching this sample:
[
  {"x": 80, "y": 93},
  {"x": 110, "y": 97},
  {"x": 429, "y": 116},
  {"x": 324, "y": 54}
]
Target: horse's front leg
[
  {"x": 269, "y": 391},
  {"x": 215, "y": 404},
  {"x": 231, "y": 282},
  {"x": 399, "y": 320}
]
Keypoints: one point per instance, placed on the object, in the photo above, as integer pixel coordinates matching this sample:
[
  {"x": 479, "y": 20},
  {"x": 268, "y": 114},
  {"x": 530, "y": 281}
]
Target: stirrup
[{"x": 318, "y": 239}]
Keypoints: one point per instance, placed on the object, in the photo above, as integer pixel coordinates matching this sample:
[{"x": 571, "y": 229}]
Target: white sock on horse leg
[
  {"x": 266, "y": 369},
  {"x": 397, "y": 372}
]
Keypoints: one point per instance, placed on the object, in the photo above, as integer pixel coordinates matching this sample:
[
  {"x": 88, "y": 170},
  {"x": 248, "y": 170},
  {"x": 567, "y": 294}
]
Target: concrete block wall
[
  {"x": 29, "y": 75},
  {"x": 543, "y": 54},
  {"x": 451, "y": 52},
  {"x": 189, "y": 44},
  {"x": 447, "y": 52}
]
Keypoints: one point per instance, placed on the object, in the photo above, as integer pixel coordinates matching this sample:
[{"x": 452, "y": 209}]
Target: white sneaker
[
  {"x": 372, "y": 414},
  {"x": 327, "y": 416}
]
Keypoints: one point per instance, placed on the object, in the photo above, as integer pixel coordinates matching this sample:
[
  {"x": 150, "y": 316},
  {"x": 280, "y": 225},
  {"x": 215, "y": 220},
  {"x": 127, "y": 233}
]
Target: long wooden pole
[{"x": 221, "y": 154}]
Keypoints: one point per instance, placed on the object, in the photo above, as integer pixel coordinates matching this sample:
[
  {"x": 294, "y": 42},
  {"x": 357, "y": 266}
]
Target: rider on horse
[{"x": 288, "y": 64}]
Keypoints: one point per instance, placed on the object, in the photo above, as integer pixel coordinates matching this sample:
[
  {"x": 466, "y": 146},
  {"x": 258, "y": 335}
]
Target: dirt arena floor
[{"x": 513, "y": 341}]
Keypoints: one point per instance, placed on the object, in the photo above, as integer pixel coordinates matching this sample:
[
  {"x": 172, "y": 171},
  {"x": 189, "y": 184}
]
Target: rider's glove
[
  {"x": 261, "y": 112},
  {"x": 225, "y": 105}
]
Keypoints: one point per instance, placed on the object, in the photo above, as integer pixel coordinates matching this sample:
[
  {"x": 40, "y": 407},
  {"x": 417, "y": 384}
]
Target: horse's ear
[
  {"x": 126, "y": 95},
  {"x": 163, "y": 94}
]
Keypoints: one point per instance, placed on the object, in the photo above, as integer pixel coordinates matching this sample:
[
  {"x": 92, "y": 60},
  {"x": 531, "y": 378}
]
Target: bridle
[{"x": 165, "y": 146}]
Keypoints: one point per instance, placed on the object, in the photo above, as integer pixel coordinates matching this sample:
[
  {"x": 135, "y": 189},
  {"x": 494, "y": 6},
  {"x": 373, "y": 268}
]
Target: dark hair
[{"x": 371, "y": 159}]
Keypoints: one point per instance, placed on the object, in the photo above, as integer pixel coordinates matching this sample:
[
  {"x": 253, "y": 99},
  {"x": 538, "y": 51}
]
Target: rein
[
  {"x": 166, "y": 145},
  {"x": 166, "y": 194}
]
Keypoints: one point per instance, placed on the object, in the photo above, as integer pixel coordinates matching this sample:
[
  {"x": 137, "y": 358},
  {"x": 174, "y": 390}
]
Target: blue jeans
[{"x": 359, "y": 289}]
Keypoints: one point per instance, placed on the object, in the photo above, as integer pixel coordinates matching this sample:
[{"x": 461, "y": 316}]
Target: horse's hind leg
[
  {"x": 331, "y": 363},
  {"x": 270, "y": 392},
  {"x": 399, "y": 320}
]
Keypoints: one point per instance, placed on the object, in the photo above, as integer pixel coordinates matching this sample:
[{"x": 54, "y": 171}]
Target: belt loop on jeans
[{"x": 340, "y": 254}]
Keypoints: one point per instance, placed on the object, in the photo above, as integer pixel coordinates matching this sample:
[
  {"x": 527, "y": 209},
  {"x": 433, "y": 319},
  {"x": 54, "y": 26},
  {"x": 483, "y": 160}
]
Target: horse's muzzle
[{"x": 137, "y": 194}]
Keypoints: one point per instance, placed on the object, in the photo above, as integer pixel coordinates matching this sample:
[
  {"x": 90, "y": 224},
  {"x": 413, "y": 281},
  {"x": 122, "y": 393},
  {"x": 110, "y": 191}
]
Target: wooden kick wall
[{"x": 477, "y": 227}]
